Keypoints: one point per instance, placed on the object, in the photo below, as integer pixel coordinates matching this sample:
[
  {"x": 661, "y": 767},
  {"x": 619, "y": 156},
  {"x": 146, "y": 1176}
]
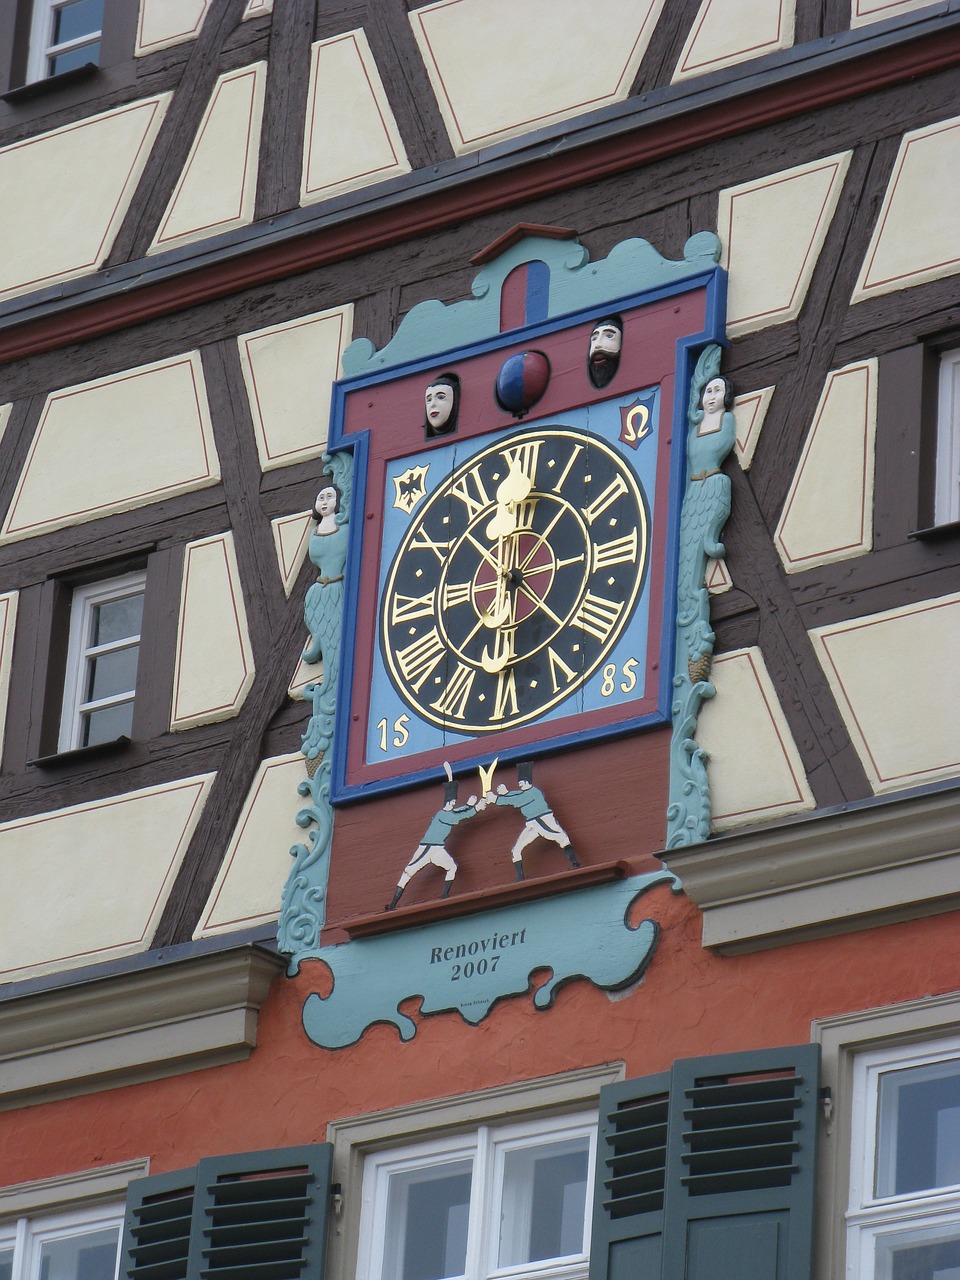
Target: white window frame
[
  {"x": 79, "y": 652},
  {"x": 947, "y": 486},
  {"x": 486, "y": 1147},
  {"x": 871, "y": 1217},
  {"x": 77, "y": 1203},
  {"x": 41, "y": 35},
  {"x": 554, "y": 1100},
  {"x": 849, "y": 1041}
]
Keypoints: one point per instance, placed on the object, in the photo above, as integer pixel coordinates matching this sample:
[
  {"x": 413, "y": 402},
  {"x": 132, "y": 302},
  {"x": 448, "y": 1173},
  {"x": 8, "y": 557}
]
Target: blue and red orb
[{"x": 521, "y": 382}]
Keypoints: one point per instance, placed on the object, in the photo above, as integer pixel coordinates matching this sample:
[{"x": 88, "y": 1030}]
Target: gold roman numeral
[
  {"x": 407, "y": 608},
  {"x": 455, "y": 593},
  {"x": 559, "y": 668},
  {"x": 614, "y": 490},
  {"x": 421, "y": 541},
  {"x": 417, "y": 660},
  {"x": 469, "y": 489},
  {"x": 577, "y": 450},
  {"x": 506, "y": 695},
  {"x": 452, "y": 703},
  {"x": 524, "y": 457},
  {"x": 618, "y": 551},
  {"x": 598, "y": 616}
]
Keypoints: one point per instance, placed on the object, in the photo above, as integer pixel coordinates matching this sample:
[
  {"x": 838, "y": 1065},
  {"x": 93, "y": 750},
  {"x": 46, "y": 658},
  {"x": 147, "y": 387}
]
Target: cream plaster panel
[
  {"x": 750, "y": 411},
  {"x": 89, "y": 883},
  {"x": 257, "y": 862},
  {"x": 717, "y": 577},
  {"x": 500, "y": 69},
  {"x": 166, "y": 22},
  {"x": 897, "y": 684},
  {"x": 289, "y": 371},
  {"x": 726, "y": 32},
  {"x": 214, "y": 664},
  {"x": 754, "y": 766},
  {"x": 828, "y": 513},
  {"x": 218, "y": 186},
  {"x": 8, "y": 618},
  {"x": 917, "y": 236},
  {"x": 4, "y": 418},
  {"x": 62, "y": 222},
  {"x": 114, "y": 444},
  {"x": 351, "y": 137},
  {"x": 291, "y": 538},
  {"x": 305, "y": 672},
  {"x": 257, "y": 8},
  {"x": 864, "y": 11},
  {"x": 772, "y": 230}
]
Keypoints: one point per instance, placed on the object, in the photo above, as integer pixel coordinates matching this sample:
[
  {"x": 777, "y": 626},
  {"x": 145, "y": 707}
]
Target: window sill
[
  {"x": 936, "y": 531},
  {"x": 61, "y": 759},
  {"x": 50, "y": 84}
]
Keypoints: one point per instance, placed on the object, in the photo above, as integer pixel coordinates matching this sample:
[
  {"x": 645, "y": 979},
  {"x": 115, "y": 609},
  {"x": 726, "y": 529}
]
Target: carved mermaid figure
[
  {"x": 302, "y": 909},
  {"x": 706, "y": 505}
]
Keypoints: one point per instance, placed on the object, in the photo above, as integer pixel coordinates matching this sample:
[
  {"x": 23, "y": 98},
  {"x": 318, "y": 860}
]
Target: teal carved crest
[{"x": 468, "y": 963}]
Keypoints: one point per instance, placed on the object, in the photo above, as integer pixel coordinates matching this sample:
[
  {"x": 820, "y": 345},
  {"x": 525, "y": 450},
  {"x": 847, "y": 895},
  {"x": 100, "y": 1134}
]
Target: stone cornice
[
  {"x": 850, "y": 869},
  {"x": 128, "y": 1027}
]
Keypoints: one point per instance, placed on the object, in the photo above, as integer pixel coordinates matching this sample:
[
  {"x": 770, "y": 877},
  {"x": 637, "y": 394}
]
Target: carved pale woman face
[
  {"x": 713, "y": 395},
  {"x": 438, "y": 399},
  {"x": 326, "y": 503}
]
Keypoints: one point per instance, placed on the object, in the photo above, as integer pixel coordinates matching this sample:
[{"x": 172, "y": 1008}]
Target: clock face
[{"x": 514, "y": 580}]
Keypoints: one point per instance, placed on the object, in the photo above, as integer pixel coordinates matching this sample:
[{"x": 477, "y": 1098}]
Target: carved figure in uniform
[
  {"x": 432, "y": 850},
  {"x": 539, "y": 818},
  {"x": 441, "y": 402},
  {"x": 603, "y": 352}
]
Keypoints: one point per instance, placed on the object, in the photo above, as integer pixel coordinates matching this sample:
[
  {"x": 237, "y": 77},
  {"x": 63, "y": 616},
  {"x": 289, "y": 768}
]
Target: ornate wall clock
[
  {"x": 524, "y": 633},
  {"x": 513, "y": 564}
]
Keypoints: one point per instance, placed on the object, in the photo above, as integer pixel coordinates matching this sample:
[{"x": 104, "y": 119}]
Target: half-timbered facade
[{"x": 696, "y": 1012}]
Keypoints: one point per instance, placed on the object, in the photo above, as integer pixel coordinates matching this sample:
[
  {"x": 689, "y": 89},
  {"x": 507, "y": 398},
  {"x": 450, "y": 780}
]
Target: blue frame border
[{"x": 714, "y": 282}]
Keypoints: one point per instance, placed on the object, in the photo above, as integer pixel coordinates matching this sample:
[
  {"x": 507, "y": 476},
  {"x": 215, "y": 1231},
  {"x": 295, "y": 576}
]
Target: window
[
  {"x": 102, "y": 657},
  {"x": 904, "y": 1213},
  {"x": 947, "y": 490},
  {"x": 72, "y": 1246},
  {"x": 481, "y": 1204},
  {"x": 64, "y": 35},
  {"x": 521, "y": 1145}
]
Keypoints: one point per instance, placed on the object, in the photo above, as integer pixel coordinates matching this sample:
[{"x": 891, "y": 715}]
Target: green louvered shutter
[
  {"x": 156, "y": 1227},
  {"x": 630, "y": 1178},
  {"x": 707, "y": 1172},
  {"x": 741, "y": 1166},
  {"x": 261, "y": 1215}
]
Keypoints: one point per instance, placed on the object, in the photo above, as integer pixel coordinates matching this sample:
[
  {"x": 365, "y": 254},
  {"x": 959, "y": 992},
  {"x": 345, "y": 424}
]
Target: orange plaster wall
[{"x": 690, "y": 1002}]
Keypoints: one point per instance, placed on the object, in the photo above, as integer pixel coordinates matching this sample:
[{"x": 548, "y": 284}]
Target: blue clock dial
[{"x": 514, "y": 580}]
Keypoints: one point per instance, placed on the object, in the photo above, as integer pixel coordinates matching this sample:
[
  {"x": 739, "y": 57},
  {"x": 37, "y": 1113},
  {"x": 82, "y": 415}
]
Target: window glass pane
[
  {"x": 106, "y": 725},
  {"x": 544, "y": 1201},
  {"x": 117, "y": 619},
  {"x": 86, "y": 1257},
  {"x": 931, "y": 1254},
  {"x": 78, "y": 57},
  {"x": 919, "y": 1141},
  {"x": 426, "y": 1232},
  {"x": 112, "y": 673},
  {"x": 77, "y": 19},
  {"x": 6, "y": 1263}
]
